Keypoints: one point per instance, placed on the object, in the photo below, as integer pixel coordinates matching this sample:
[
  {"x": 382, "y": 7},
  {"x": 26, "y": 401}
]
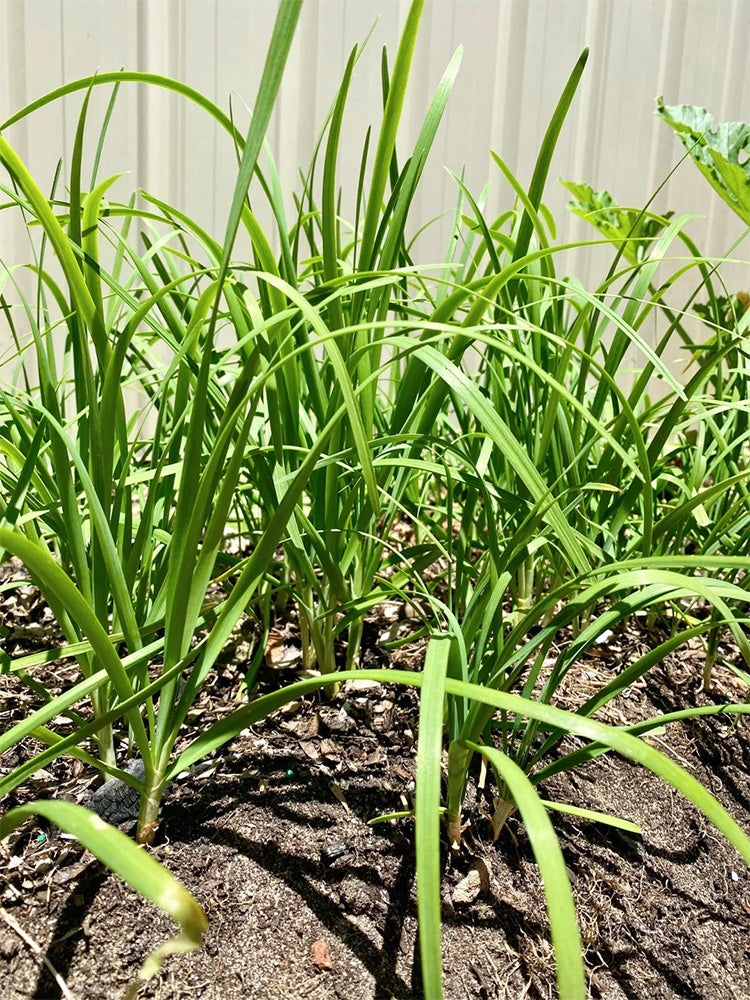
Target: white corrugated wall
[{"x": 517, "y": 56}]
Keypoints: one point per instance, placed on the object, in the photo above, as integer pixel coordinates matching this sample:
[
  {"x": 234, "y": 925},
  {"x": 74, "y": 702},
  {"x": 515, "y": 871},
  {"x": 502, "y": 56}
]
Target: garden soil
[{"x": 308, "y": 901}]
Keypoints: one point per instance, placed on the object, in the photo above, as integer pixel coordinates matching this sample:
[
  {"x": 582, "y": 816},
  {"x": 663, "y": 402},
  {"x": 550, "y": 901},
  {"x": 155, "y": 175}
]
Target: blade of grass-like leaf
[
  {"x": 134, "y": 865},
  {"x": 103, "y": 133},
  {"x": 257, "y": 564},
  {"x": 43, "y": 211},
  {"x": 281, "y": 40},
  {"x": 192, "y": 502},
  {"x": 56, "y": 706},
  {"x": 620, "y": 740},
  {"x": 227, "y": 728},
  {"x": 541, "y": 169},
  {"x": 387, "y": 137},
  {"x": 275, "y": 195},
  {"x": 283, "y": 33},
  {"x": 343, "y": 382},
  {"x": 481, "y": 223},
  {"x": 15, "y": 500},
  {"x": 571, "y": 978},
  {"x": 427, "y": 812},
  {"x": 642, "y": 665},
  {"x": 592, "y": 750},
  {"x": 105, "y": 541},
  {"x": 328, "y": 204},
  {"x": 417, "y": 162},
  {"x": 74, "y": 225},
  {"x": 90, "y": 240},
  {"x": 53, "y": 579},
  {"x": 203, "y": 567},
  {"x": 506, "y": 441},
  {"x": 394, "y": 236},
  {"x": 67, "y": 743},
  {"x": 72, "y": 539},
  {"x": 529, "y": 208},
  {"x": 593, "y": 815},
  {"x": 623, "y": 742}
]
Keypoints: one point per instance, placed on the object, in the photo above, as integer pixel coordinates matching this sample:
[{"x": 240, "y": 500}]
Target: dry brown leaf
[
  {"x": 339, "y": 794},
  {"x": 279, "y": 654},
  {"x": 476, "y": 881}
]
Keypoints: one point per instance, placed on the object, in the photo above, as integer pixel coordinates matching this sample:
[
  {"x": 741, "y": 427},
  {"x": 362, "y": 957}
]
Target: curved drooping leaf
[
  {"x": 571, "y": 977},
  {"x": 132, "y": 863}
]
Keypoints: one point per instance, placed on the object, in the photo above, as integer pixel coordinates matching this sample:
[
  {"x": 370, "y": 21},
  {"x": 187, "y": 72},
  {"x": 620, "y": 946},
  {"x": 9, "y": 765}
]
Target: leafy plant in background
[
  {"x": 715, "y": 149},
  {"x": 332, "y": 401}
]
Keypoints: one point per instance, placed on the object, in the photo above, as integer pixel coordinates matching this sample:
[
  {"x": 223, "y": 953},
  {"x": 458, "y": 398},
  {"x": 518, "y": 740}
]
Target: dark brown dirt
[{"x": 273, "y": 839}]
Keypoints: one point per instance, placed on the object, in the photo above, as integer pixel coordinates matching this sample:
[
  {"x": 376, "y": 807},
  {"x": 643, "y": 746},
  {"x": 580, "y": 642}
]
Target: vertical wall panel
[
  {"x": 202, "y": 142},
  {"x": 161, "y": 36},
  {"x": 91, "y": 44},
  {"x": 12, "y": 95}
]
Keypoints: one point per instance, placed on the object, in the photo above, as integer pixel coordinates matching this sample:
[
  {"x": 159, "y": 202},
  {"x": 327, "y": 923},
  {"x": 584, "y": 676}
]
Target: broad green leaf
[
  {"x": 720, "y": 151},
  {"x": 627, "y": 227}
]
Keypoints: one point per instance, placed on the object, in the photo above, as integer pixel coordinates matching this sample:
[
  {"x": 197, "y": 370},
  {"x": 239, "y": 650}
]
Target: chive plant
[
  {"x": 324, "y": 404},
  {"x": 123, "y": 577}
]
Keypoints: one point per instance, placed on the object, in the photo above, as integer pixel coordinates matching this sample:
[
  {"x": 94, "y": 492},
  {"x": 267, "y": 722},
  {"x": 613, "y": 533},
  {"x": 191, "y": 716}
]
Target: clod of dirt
[
  {"x": 321, "y": 956},
  {"x": 336, "y": 851},
  {"x": 116, "y": 801}
]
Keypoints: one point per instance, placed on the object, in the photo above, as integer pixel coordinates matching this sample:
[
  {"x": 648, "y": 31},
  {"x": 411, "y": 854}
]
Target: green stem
[
  {"x": 459, "y": 756},
  {"x": 525, "y": 584},
  {"x": 712, "y": 649},
  {"x": 105, "y": 737},
  {"x": 309, "y": 656},
  {"x": 355, "y": 644},
  {"x": 148, "y": 814}
]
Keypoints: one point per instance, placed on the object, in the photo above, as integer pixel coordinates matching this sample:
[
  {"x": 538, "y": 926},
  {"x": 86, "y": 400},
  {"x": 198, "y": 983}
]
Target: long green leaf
[
  {"x": 56, "y": 583},
  {"x": 427, "y": 807},
  {"x": 571, "y": 977}
]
